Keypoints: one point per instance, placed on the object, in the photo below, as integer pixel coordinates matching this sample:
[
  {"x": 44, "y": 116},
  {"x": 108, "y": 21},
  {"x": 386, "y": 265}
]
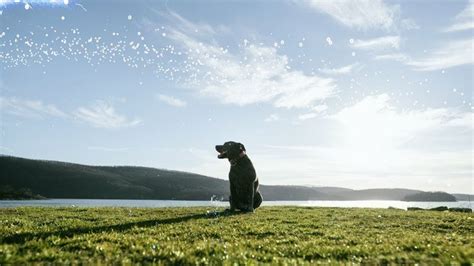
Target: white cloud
[
  {"x": 30, "y": 108},
  {"x": 464, "y": 20},
  {"x": 339, "y": 71},
  {"x": 378, "y": 145},
  {"x": 171, "y": 100},
  {"x": 54, "y": 3},
  {"x": 359, "y": 14},
  {"x": 454, "y": 53},
  {"x": 254, "y": 74},
  {"x": 374, "y": 122},
  {"x": 103, "y": 115},
  {"x": 272, "y": 118},
  {"x": 377, "y": 44}
]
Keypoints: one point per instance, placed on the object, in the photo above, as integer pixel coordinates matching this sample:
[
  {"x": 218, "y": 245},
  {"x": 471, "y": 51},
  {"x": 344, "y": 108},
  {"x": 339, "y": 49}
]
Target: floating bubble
[{"x": 129, "y": 17}]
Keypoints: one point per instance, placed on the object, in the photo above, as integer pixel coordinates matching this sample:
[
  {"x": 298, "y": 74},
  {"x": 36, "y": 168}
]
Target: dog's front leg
[
  {"x": 249, "y": 198},
  {"x": 232, "y": 196}
]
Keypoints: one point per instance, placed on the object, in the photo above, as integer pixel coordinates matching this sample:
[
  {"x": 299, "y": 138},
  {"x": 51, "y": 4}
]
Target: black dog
[{"x": 244, "y": 194}]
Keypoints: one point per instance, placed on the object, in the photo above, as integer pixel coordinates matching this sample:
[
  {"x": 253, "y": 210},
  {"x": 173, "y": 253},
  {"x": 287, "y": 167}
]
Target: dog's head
[{"x": 230, "y": 150}]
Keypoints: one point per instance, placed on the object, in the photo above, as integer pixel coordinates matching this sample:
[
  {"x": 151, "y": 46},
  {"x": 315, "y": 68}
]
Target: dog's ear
[{"x": 242, "y": 147}]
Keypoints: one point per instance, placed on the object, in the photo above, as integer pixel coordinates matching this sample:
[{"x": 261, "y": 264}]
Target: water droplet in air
[{"x": 328, "y": 40}]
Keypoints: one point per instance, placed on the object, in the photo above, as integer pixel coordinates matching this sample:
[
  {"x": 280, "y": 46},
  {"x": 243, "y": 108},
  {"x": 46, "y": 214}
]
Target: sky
[{"x": 357, "y": 94}]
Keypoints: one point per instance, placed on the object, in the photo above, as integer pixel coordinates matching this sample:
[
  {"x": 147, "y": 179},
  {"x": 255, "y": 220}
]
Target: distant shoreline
[{"x": 136, "y": 203}]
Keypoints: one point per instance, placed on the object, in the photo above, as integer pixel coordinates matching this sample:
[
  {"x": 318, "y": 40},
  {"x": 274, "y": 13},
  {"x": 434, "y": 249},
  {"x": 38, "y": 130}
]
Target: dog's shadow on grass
[{"x": 70, "y": 232}]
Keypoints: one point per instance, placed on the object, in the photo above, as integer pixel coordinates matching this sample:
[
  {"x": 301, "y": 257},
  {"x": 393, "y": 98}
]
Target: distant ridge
[{"x": 55, "y": 179}]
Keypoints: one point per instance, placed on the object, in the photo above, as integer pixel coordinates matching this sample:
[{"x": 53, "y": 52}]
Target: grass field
[{"x": 276, "y": 235}]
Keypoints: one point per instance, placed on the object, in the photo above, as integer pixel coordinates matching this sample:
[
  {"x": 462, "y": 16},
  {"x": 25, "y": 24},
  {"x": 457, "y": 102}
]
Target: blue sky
[{"x": 357, "y": 94}]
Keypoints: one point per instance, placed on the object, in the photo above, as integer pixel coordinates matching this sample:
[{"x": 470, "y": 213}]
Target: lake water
[{"x": 192, "y": 203}]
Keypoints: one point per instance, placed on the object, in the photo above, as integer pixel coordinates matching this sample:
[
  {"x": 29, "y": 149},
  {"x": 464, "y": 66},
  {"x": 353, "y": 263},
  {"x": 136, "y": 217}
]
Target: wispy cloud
[
  {"x": 320, "y": 108},
  {"x": 307, "y": 116},
  {"x": 316, "y": 111},
  {"x": 377, "y": 44},
  {"x": 30, "y": 108},
  {"x": 339, "y": 71},
  {"x": 359, "y": 14},
  {"x": 106, "y": 149},
  {"x": 464, "y": 20},
  {"x": 394, "y": 56},
  {"x": 272, "y": 118},
  {"x": 256, "y": 73},
  {"x": 171, "y": 100},
  {"x": 103, "y": 115},
  {"x": 451, "y": 54},
  {"x": 184, "y": 25},
  {"x": 5, "y": 149},
  {"x": 454, "y": 53}
]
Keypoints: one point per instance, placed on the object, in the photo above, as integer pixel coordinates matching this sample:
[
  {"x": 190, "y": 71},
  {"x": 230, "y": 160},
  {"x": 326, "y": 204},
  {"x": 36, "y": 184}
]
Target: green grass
[{"x": 273, "y": 235}]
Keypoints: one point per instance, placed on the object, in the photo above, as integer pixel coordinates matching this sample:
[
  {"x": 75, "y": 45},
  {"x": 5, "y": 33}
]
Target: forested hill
[{"x": 54, "y": 179}]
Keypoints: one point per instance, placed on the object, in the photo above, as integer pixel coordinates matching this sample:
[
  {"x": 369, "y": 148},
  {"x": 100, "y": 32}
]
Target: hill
[
  {"x": 430, "y": 196},
  {"x": 54, "y": 179}
]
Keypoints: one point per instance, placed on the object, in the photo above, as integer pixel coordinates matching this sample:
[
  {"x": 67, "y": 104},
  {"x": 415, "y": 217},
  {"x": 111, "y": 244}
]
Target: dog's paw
[{"x": 250, "y": 210}]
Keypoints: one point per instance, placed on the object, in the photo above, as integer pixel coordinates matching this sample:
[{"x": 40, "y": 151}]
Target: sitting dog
[{"x": 244, "y": 194}]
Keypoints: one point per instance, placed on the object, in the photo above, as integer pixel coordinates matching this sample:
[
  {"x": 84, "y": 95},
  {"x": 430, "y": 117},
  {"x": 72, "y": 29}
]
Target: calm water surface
[{"x": 192, "y": 203}]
